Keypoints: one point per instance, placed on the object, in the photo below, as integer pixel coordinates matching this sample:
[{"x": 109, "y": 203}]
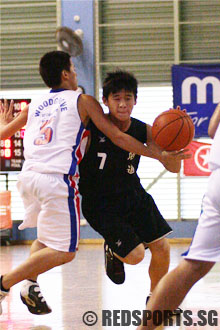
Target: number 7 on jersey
[{"x": 103, "y": 156}]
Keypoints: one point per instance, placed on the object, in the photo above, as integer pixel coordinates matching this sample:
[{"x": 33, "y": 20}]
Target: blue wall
[
  {"x": 181, "y": 229},
  {"x": 84, "y": 63}
]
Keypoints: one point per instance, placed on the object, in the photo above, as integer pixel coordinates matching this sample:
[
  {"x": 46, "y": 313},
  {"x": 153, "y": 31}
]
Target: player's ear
[
  {"x": 135, "y": 98},
  {"x": 64, "y": 74},
  {"x": 105, "y": 101}
]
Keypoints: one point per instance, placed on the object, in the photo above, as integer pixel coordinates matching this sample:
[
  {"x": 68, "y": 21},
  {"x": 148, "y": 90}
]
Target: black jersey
[{"x": 106, "y": 168}]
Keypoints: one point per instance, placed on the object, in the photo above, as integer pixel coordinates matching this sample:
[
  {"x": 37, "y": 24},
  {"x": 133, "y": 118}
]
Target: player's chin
[{"x": 123, "y": 116}]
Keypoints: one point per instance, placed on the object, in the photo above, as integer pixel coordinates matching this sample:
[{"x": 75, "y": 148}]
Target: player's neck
[
  {"x": 122, "y": 125},
  {"x": 67, "y": 85}
]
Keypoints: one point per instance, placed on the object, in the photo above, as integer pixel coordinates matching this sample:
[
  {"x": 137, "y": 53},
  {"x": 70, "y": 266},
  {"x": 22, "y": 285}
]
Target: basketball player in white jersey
[
  {"x": 204, "y": 251},
  {"x": 54, "y": 144}
]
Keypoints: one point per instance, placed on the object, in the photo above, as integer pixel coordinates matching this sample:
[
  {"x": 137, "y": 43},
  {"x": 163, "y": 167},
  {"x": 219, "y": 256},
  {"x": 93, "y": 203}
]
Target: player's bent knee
[
  {"x": 165, "y": 249},
  {"x": 162, "y": 247},
  {"x": 68, "y": 256},
  {"x": 136, "y": 255},
  {"x": 196, "y": 268}
]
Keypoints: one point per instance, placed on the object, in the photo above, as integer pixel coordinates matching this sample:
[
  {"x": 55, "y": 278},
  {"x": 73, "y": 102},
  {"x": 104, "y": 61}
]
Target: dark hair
[
  {"x": 51, "y": 66},
  {"x": 119, "y": 80}
]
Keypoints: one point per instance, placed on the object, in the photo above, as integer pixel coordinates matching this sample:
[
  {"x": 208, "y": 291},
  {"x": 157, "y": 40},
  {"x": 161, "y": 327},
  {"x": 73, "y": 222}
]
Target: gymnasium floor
[{"x": 81, "y": 286}]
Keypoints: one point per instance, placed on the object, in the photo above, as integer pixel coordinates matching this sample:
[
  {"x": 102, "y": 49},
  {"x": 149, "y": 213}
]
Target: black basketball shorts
[{"x": 125, "y": 220}]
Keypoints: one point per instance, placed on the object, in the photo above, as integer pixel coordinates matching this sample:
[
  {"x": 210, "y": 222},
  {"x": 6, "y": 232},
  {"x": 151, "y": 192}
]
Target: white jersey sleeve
[
  {"x": 214, "y": 159},
  {"x": 54, "y": 136}
]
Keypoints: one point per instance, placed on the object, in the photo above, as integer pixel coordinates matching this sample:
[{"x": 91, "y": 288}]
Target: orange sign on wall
[{"x": 5, "y": 210}]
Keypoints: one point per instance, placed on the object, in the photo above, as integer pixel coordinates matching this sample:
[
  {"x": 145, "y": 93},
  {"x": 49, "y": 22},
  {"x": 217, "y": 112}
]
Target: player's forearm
[
  {"x": 130, "y": 144},
  {"x": 214, "y": 122},
  {"x": 171, "y": 162},
  {"x": 6, "y": 131}
]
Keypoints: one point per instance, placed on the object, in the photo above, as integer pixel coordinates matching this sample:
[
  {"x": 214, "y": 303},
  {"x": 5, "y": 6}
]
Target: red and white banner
[{"x": 198, "y": 164}]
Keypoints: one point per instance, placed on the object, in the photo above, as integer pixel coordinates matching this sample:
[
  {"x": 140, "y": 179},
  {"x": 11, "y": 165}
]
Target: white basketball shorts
[
  {"x": 206, "y": 241},
  {"x": 51, "y": 203}
]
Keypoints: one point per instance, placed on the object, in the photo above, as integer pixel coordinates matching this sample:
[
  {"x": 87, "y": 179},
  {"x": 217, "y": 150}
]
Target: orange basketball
[{"x": 173, "y": 130}]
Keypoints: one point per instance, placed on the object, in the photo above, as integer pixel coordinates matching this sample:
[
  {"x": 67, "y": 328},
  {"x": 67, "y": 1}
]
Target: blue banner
[{"x": 196, "y": 88}]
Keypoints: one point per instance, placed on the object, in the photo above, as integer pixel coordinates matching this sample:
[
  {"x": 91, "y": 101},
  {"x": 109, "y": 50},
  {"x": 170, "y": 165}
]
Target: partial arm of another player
[
  {"x": 89, "y": 107},
  {"x": 171, "y": 160},
  {"x": 9, "y": 125},
  {"x": 214, "y": 122}
]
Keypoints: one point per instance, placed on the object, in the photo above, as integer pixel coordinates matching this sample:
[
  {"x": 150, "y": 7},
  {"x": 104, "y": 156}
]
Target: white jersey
[
  {"x": 214, "y": 159},
  {"x": 54, "y": 133}
]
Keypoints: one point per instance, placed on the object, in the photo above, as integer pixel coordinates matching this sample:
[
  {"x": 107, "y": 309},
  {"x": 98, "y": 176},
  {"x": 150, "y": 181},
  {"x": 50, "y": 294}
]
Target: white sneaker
[
  {"x": 33, "y": 298},
  {"x": 3, "y": 294}
]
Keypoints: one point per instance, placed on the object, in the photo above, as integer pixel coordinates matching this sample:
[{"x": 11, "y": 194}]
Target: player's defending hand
[
  {"x": 176, "y": 155},
  {"x": 6, "y": 115},
  {"x": 171, "y": 160},
  {"x": 9, "y": 124}
]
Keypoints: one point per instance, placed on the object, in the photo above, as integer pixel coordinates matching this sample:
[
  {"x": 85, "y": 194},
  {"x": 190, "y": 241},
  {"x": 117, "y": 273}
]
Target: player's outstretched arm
[
  {"x": 214, "y": 122},
  {"x": 9, "y": 125},
  {"x": 89, "y": 107}
]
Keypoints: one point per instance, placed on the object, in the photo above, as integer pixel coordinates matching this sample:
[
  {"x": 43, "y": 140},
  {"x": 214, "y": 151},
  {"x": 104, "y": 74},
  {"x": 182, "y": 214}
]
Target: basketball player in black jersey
[{"x": 113, "y": 200}]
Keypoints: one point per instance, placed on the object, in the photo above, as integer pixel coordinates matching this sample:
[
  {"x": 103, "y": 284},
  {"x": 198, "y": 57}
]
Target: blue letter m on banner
[{"x": 196, "y": 88}]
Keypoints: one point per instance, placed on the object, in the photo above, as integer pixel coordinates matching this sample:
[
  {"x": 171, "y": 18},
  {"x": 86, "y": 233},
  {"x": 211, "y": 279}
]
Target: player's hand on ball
[
  {"x": 176, "y": 155},
  {"x": 171, "y": 160},
  {"x": 6, "y": 111},
  {"x": 179, "y": 109}
]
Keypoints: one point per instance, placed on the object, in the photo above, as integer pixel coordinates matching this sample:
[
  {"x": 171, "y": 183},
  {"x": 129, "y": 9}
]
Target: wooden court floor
[{"x": 82, "y": 286}]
